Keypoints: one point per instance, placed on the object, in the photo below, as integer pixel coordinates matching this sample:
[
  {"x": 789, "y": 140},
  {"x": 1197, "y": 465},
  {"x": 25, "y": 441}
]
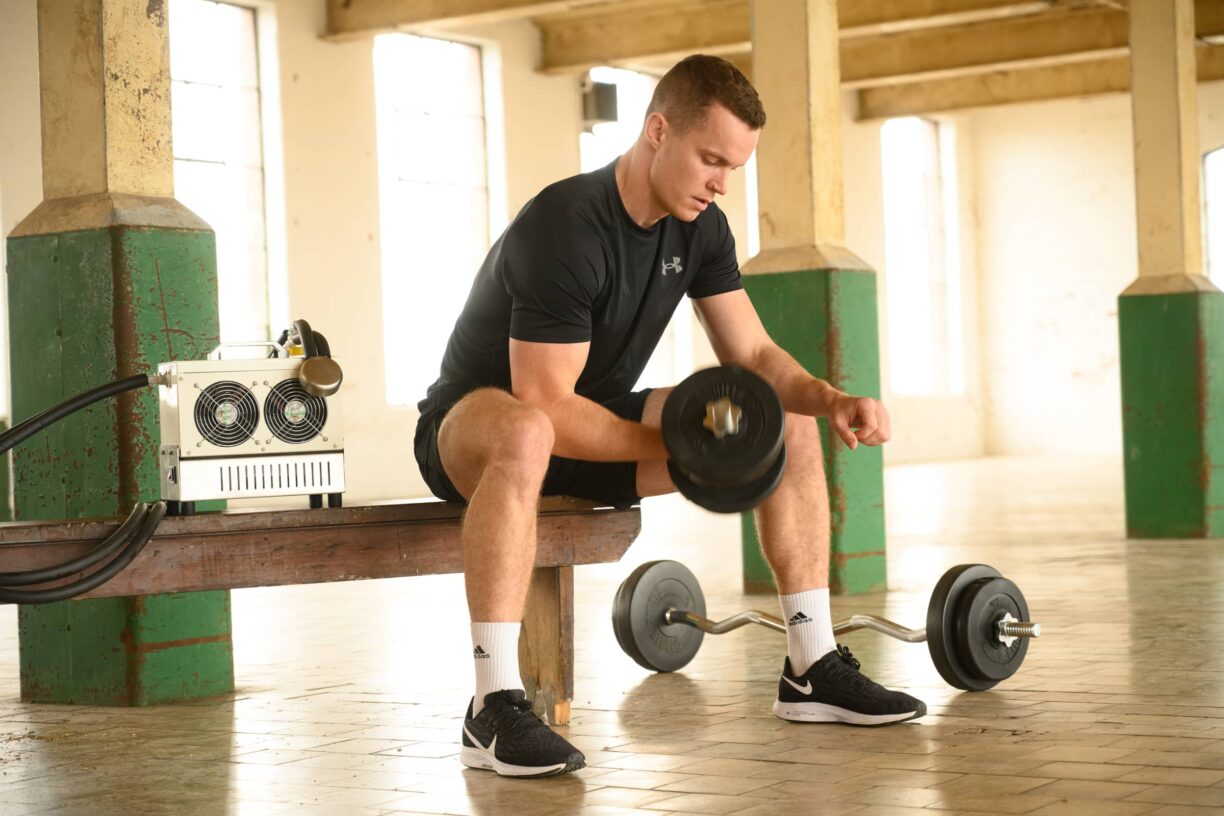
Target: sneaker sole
[
  {"x": 482, "y": 760},
  {"x": 821, "y": 712}
]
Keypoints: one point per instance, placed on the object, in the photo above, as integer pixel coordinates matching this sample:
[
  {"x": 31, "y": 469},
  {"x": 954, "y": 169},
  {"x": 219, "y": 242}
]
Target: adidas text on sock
[
  {"x": 809, "y": 627},
  {"x": 495, "y": 654}
]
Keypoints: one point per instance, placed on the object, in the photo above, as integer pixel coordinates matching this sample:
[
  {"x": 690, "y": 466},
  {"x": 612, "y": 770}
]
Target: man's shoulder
[
  {"x": 572, "y": 206},
  {"x": 585, "y": 191}
]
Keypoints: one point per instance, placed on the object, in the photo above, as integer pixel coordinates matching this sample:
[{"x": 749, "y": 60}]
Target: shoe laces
[
  {"x": 512, "y": 715},
  {"x": 847, "y": 657}
]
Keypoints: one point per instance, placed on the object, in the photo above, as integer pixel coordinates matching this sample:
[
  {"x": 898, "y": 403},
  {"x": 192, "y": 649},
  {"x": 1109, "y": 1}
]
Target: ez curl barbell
[{"x": 977, "y": 627}]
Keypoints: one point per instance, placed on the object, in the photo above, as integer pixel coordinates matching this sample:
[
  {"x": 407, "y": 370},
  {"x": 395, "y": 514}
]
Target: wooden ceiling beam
[
  {"x": 1086, "y": 78},
  {"x": 350, "y": 19},
  {"x": 636, "y": 33}
]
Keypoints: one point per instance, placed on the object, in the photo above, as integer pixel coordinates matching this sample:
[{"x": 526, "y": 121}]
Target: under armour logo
[{"x": 674, "y": 266}]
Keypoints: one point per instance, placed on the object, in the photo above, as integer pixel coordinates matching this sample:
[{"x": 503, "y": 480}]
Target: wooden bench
[{"x": 237, "y": 549}]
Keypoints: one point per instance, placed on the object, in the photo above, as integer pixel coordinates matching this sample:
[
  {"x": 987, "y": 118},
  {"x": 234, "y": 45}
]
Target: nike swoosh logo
[
  {"x": 806, "y": 688},
  {"x": 491, "y": 747}
]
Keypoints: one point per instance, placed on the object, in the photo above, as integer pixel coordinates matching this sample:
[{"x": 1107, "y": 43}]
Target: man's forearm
[
  {"x": 586, "y": 430},
  {"x": 801, "y": 393}
]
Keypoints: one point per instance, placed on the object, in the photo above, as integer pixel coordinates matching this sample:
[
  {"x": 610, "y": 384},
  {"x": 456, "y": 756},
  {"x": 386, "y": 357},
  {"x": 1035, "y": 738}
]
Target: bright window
[
  {"x": 921, "y": 243},
  {"x": 1213, "y": 225},
  {"x": 218, "y": 154},
  {"x": 434, "y": 198}
]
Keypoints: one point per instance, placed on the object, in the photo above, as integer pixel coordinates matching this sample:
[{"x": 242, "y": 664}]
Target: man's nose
[{"x": 719, "y": 183}]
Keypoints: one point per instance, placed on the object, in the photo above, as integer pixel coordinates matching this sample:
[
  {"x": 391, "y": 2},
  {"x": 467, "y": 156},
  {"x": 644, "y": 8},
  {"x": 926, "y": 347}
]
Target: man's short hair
[{"x": 686, "y": 92}]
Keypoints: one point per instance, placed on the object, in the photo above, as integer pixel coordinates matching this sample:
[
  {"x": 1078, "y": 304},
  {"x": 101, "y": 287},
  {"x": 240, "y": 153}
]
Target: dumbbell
[
  {"x": 977, "y": 627},
  {"x": 724, "y": 428}
]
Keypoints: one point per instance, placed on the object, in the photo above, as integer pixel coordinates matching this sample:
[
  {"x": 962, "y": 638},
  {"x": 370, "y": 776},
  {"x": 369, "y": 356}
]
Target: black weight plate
[
  {"x": 737, "y": 458},
  {"x": 978, "y": 648},
  {"x": 638, "y": 609},
  {"x": 730, "y": 499},
  {"x": 941, "y": 625}
]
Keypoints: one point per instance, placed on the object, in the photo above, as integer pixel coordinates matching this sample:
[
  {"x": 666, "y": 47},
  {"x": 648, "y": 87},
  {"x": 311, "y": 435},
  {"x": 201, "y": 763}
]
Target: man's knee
[
  {"x": 524, "y": 439},
  {"x": 490, "y": 428},
  {"x": 802, "y": 438}
]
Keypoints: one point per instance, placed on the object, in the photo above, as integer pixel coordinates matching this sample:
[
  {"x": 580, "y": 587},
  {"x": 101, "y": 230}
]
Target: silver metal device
[{"x": 246, "y": 428}]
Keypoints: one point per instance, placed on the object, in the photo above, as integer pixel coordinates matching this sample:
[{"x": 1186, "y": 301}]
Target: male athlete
[{"x": 535, "y": 396}]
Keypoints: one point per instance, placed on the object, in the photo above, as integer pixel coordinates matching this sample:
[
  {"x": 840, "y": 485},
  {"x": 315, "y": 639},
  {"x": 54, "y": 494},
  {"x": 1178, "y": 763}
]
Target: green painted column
[
  {"x": 1173, "y": 413},
  {"x": 107, "y": 277},
  {"x": 835, "y": 336},
  {"x": 816, "y": 298},
  {"x": 1171, "y": 319}
]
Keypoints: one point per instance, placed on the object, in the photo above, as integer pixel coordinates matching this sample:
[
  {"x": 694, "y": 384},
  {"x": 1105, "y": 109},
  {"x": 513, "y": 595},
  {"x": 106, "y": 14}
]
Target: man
[{"x": 535, "y": 396}]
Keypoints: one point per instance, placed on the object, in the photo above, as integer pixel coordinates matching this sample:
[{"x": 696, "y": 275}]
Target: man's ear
[{"x": 656, "y": 129}]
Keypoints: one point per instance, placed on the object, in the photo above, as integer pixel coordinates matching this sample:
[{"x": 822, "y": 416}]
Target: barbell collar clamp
[{"x": 722, "y": 417}]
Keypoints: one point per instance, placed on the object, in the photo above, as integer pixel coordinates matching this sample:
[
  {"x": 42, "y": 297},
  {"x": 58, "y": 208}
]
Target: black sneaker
[
  {"x": 508, "y": 738},
  {"x": 833, "y": 690}
]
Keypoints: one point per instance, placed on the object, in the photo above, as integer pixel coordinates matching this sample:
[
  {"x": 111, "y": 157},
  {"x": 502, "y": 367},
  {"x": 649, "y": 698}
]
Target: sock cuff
[
  {"x": 816, "y": 602},
  {"x": 489, "y": 638}
]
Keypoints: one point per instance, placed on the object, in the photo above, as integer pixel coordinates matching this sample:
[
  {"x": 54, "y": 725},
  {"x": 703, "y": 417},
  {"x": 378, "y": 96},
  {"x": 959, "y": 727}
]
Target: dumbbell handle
[{"x": 853, "y": 623}]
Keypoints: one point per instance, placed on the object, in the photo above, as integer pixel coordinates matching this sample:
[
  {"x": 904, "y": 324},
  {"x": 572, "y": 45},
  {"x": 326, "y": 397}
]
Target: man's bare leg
[{"x": 495, "y": 450}]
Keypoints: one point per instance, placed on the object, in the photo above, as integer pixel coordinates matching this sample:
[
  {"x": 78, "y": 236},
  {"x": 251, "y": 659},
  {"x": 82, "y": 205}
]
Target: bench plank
[{"x": 232, "y": 550}]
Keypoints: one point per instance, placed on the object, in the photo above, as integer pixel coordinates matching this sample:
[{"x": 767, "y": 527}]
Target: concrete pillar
[
  {"x": 1171, "y": 319},
  {"x": 816, "y": 298},
  {"x": 107, "y": 277}
]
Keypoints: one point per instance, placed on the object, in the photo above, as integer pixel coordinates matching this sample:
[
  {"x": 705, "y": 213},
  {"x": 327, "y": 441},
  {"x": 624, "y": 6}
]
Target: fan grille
[
  {"x": 226, "y": 413},
  {"x": 292, "y": 414}
]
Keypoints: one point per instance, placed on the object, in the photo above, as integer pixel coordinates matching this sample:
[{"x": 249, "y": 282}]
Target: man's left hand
[{"x": 859, "y": 419}]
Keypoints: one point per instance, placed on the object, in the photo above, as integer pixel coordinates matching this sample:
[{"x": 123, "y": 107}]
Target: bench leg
[{"x": 546, "y": 645}]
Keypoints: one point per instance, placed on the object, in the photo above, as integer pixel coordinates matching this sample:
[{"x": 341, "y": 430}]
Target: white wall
[
  {"x": 924, "y": 428},
  {"x": 1057, "y": 245}
]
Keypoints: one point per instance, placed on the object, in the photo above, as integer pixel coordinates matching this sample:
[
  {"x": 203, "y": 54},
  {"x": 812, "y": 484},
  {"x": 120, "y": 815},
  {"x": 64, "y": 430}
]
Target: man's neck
[{"x": 633, "y": 184}]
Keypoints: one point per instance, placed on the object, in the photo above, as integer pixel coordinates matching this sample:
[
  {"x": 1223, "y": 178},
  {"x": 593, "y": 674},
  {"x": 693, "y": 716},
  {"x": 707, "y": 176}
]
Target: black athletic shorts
[{"x": 613, "y": 483}]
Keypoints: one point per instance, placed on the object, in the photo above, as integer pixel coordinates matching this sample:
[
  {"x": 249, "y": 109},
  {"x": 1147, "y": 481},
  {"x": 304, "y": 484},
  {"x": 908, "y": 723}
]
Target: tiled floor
[{"x": 350, "y": 695}]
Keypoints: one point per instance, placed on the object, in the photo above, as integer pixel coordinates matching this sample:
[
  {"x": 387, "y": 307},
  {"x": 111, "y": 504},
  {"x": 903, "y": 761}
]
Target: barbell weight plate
[
  {"x": 637, "y": 615},
  {"x": 941, "y": 625},
  {"x": 730, "y": 499},
  {"x": 978, "y": 649},
  {"x": 736, "y": 459}
]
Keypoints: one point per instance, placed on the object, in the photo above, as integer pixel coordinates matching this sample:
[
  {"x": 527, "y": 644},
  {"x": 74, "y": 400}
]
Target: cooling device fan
[{"x": 247, "y": 428}]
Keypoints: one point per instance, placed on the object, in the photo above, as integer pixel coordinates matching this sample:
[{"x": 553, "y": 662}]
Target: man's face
[{"x": 692, "y": 167}]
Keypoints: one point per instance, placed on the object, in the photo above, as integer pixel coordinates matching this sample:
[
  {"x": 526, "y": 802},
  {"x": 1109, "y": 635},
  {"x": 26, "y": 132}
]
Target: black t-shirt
[{"x": 573, "y": 267}]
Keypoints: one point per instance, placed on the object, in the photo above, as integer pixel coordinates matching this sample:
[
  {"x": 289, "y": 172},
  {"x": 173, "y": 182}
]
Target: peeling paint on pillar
[
  {"x": 826, "y": 319},
  {"x": 90, "y": 307}
]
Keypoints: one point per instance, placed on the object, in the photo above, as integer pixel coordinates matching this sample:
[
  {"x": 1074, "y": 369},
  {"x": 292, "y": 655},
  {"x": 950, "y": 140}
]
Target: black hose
[
  {"x": 307, "y": 336},
  {"x": 23, "y": 431},
  {"x": 148, "y": 526},
  {"x": 103, "y": 550}
]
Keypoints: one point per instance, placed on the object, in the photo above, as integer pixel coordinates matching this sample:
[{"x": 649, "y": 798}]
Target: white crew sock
[
  {"x": 809, "y": 627},
  {"x": 495, "y": 653}
]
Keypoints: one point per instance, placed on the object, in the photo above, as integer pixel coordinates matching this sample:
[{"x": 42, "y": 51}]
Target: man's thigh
[{"x": 453, "y": 445}]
